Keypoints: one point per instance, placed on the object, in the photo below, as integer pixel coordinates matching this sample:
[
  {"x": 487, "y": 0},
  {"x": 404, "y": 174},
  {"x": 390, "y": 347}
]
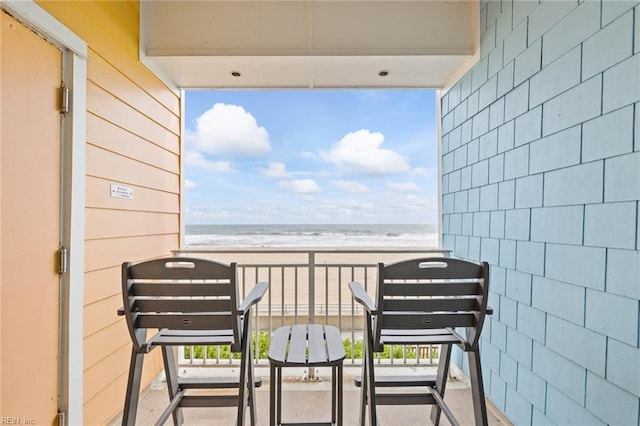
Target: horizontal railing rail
[{"x": 308, "y": 286}]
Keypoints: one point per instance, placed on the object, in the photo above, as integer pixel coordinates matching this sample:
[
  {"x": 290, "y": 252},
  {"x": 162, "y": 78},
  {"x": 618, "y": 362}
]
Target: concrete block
[
  {"x": 521, "y": 9},
  {"x": 574, "y": 106},
  {"x": 465, "y": 131},
  {"x": 445, "y": 144},
  {"x": 460, "y": 202},
  {"x": 609, "y": 46},
  {"x": 467, "y": 224},
  {"x": 636, "y": 133},
  {"x": 454, "y": 137},
  {"x": 496, "y": 114},
  {"x": 540, "y": 419},
  {"x": 582, "y": 184},
  {"x": 578, "y": 265},
  {"x": 620, "y": 320},
  {"x": 508, "y": 370},
  {"x": 447, "y": 163},
  {"x": 528, "y": 126},
  {"x": 515, "y": 43},
  {"x": 465, "y": 86},
  {"x": 490, "y": 356},
  {"x": 474, "y": 249},
  {"x": 488, "y": 144},
  {"x": 472, "y": 104},
  {"x": 559, "y": 372},
  {"x": 489, "y": 197},
  {"x": 519, "y": 410},
  {"x": 516, "y": 102},
  {"x": 490, "y": 250},
  {"x": 557, "y": 225},
  {"x": 480, "y": 173},
  {"x": 529, "y": 191},
  {"x": 496, "y": 168},
  {"x": 636, "y": 31},
  {"x": 557, "y": 77},
  {"x": 516, "y": 162},
  {"x": 613, "y": 9},
  {"x": 498, "y": 335},
  {"x": 455, "y": 224},
  {"x": 465, "y": 178},
  {"x": 445, "y": 223},
  {"x": 474, "y": 200},
  {"x": 506, "y": 136},
  {"x": 444, "y": 103},
  {"x": 460, "y": 157},
  {"x": 520, "y": 347},
  {"x": 508, "y": 254},
  {"x": 480, "y": 123},
  {"x": 487, "y": 41},
  {"x": 505, "y": 79},
  {"x": 608, "y": 135},
  {"x": 504, "y": 22},
  {"x": 481, "y": 224},
  {"x": 518, "y": 224},
  {"x": 448, "y": 241},
  {"x": 563, "y": 410},
  {"x": 610, "y": 225},
  {"x": 479, "y": 74},
  {"x": 622, "y": 360},
  {"x": 519, "y": 286},
  {"x": 532, "y": 323},
  {"x": 563, "y": 300},
  {"x": 454, "y": 96},
  {"x": 623, "y": 273},
  {"x": 528, "y": 63},
  {"x": 508, "y": 311},
  {"x": 619, "y": 90},
  {"x": 569, "y": 32},
  {"x": 530, "y": 257},
  {"x": 546, "y": 15},
  {"x": 559, "y": 150},
  {"x": 579, "y": 344},
  {"x": 610, "y": 403},
  {"x": 507, "y": 195},
  {"x": 461, "y": 246},
  {"x": 498, "y": 390},
  {"x": 496, "y": 226},
  {"x": 488, "y": 92},
  {"x": 622, "y": 178},
  {"x": 495, "y": 60},
  {"x": 447, "y": 123}
]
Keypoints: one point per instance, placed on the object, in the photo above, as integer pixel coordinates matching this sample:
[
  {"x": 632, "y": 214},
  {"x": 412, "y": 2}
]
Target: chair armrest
[
  {"x": 361, "y": 296},
  {"x": 489, "y": 310},
  {"x": 121, "y": 311},
  {"x": 254, "y": 296}
]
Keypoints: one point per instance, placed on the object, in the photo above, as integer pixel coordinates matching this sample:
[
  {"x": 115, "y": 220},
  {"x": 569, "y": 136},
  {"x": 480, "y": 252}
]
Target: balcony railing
[{"x": 308, "y": 286}]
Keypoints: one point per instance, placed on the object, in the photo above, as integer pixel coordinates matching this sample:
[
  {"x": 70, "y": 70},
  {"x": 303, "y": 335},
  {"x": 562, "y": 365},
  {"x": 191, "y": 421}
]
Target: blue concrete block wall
[{"x": 541, "y": 178}]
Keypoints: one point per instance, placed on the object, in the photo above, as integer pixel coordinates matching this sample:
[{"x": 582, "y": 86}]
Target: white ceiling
[{"x": 302, "y": 44}]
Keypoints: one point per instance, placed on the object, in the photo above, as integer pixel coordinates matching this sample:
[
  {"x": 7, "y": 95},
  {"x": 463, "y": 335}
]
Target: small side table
[{"x": 302, "y": 345}]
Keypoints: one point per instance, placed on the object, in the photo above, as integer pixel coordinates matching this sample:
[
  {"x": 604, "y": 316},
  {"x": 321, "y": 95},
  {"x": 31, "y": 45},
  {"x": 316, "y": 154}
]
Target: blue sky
[{"x": 310, "y": 156}]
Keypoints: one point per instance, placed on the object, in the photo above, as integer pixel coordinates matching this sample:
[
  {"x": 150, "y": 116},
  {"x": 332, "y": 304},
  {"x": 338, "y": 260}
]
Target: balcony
[{"x": 310, "y": 286}]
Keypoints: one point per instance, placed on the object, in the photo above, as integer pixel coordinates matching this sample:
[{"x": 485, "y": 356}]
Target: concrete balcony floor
[{"x": 309, "y": 401}]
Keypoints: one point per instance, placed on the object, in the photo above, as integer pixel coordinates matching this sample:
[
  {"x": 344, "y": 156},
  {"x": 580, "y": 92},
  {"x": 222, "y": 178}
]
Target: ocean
[{"x": 394, "y": 235}]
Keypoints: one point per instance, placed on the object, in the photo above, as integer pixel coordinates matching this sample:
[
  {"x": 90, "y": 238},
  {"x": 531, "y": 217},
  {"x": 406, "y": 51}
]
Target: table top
[{"x": 306, "y": 345}]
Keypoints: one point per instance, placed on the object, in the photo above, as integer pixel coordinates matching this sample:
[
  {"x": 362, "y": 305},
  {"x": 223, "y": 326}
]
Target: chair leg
[
  {"x": 171, "y": 373},
  {"x": 133, "y": 388},
  {"x": 246, "y": 385},
  {"x": 363, "y": 392},
  {"x": 371, "y": 382},
  {"x": 441, "y": 380},
  {"x": 477, "y": 388}
]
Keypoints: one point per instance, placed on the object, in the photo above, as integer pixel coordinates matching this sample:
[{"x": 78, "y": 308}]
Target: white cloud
[
  {"x": 361, "y": 152},
  {"x": 350, "y": 186},
  {"x": 403, "y": 187},
  {"x": 300, "y": 186},
  {"x": 229, "y": 128},
  {"x": 189, "y": 184},
  {"x": 275, "y": 170},
  {"x": 195, "y": 159}
]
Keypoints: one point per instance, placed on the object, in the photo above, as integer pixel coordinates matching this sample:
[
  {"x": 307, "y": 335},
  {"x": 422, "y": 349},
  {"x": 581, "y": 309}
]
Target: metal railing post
[{"x": 312, "y": 300}]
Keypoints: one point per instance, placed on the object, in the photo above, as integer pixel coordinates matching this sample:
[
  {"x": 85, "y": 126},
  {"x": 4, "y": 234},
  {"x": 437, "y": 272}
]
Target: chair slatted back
[
  {"x": 431, "y": 293},
  {"x": 180, "y": 293}
]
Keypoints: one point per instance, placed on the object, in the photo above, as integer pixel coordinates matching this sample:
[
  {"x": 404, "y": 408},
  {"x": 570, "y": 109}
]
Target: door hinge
[
  {"x": 62, "y": 418},
  {"x": 63, "y": 259},
  {"x": 64, "y": 100}
]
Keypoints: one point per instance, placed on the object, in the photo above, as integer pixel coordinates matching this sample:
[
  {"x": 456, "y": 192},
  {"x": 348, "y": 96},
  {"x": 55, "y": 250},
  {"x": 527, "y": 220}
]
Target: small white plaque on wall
[{"x": 119, "y": 191}]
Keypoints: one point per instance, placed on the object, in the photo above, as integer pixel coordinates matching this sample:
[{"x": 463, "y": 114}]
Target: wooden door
[{"x": 30, "y": 185}]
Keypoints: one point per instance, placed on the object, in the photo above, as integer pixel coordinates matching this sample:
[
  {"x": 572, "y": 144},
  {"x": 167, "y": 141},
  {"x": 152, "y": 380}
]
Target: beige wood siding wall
[{"x": 133, "y": 139}]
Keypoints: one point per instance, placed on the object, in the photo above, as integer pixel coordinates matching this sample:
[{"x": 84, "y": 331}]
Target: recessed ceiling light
[
  {"x": 235, "y": 73},
  {"x": 383, "y": 73}
]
